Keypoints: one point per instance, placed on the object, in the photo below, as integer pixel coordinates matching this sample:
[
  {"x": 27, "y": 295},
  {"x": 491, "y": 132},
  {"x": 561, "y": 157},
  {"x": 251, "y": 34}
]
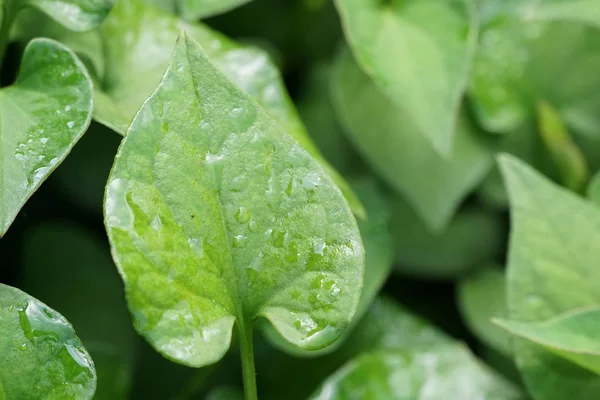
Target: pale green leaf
[
  {"x": 481, "y": 297},
  {"x": 40, "y": 354},
  {"x": 473, "y": 237},
  {"x": 215, "y": 216},
  {"x": 77, "y": 15},
  {"x": 552, "y": 269},
  {"x": 593, "y": 189},
  {"x": 421, "y": 48},
  {"x": 432, "y": 184},
  {"x": 42, "y": 115},
  {"x": 581, "y": 11},
  {"x": 135, "y": 66},
  {"x": 572, "y": 335},
  {"x": 378, "y": 261},
  {"x": 521, "y": 61},
  {"x": 443, "y": 372}
]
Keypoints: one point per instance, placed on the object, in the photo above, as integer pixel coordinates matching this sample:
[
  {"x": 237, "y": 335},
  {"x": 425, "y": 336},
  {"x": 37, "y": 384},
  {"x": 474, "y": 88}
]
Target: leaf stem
[{"x": 247, "y": 356}]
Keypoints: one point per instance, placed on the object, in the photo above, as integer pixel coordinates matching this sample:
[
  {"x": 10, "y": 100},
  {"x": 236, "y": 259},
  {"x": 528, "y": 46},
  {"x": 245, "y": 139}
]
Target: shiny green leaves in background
[
  {"x": 552, "y": 270},
  {"x": 42, "y": 116},
  {"x": 216, "y": 216},
  {"x": 40, "y": 354},
  {"x": 77, "y": 15},
  {"x": 433, "y": 184},
  {"x": 194, "y": 9},
  {"x": 419, "y": 53}
]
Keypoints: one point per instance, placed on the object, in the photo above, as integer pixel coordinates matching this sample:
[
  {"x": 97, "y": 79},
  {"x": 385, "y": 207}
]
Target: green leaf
[
  {"x": 552, "y": 269},
  {"x": 42, "y": 116},
  {"x": 378, "y": 262},
  {"x": 196, "y": 9},
  {"x": 57, "y": 255},
  {"x": 472, "y": 238},
  {"x": 424, "y": 48},
  {"x": 568, "y": 158},
  {"x": 593, "y": 189},
  {"x": 443, "y": 372},
  {"x": 77, "y": 15},
  {"x": 481, "y": 297},
  {"x": 215, "y": 216},
  {"x": 131, "y": 75},
  {"x": 580, "y": 11},
  {"x": 522, "y": 61},
  {"x": 572, "y": 335},
  {"x": 432, "y": 184},
  {"x": 40, "y": 354}
]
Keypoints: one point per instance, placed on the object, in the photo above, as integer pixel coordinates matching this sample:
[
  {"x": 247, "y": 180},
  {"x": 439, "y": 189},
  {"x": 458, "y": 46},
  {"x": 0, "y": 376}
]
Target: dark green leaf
[
  {"x": 42, "y": 116},
  {"x": 424, "y": 48},
  {"x": 481, "y": 297},
  {"x": 432, "y": 184},
  {"x": 216, "y": 216},
  {"x": 552, "y": 269},
  {"x": 131, "y": 75},
  {"x": 572, "y": 335},
  {"x": 40, "y": 354}
]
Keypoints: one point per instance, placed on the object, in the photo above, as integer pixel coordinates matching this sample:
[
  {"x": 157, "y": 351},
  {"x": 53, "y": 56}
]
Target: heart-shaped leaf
[
  {"x": 572, "y": 335},
  {"x": 424, "y": 48},
  {"x": 215, "y": 216},
  {"x": 40, "y": 354},
  {"x": 552, "y": 269},
  {"x": 131, "y": 75},
  {"x": 43, "y": 114},
  {"x": 432, "y": 184}
]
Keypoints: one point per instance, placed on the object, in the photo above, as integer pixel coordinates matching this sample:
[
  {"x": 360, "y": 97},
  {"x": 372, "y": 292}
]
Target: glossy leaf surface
[
  {"x": 77, "y": 15},
  {"x": 42, "y": 115},
  {"x": 481, "y": 297},
  {"x": 196, "y": 9},
  {"x": 216, "y": 216},
  {"x": 40, "y": 354},
  {"x": 134, "y": 68},
  {"x": 573, "y": 335},
  {"x": 552, "y": 270},
  {"x": 432, "y": 184},
  {"x": 424, "y": 48},
  {"x": 378, "y": 261}
]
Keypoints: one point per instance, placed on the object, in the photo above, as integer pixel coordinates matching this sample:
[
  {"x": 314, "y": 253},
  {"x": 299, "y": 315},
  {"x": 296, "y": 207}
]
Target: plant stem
[{"x": 247, "y": 355}]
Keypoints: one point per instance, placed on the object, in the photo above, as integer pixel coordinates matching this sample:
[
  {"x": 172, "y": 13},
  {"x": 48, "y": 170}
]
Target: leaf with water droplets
[
  {"x": 134, "y": 30},
  {"x": 40, "y": 354},
  {"x": 552, "y": 269},
  {"x": 217, "y": 216},
  {"x": 424, "y": 48},
  {"x": 77, "y": 15},
  {"x": 42, "y": 115},
  {"x": 432, "y": 184}
]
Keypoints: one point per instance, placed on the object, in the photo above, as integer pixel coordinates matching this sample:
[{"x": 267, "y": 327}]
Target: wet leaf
[
  {"x": 43, "y": 115},
  {"x": 215, "y": 216},
  {"x": 572, "y": 335},
  {"x": 552, "y": 269},
  {"x": 40, "y": 354},
  {"x": 378, "y": 261},
  {"x": 432, "y": 184},
  {"x": 77, "y": 15},
  {"x": 424, "y": 48},
  {"x": 481, "y": 297},
  {"x": 134, "y": 69}
]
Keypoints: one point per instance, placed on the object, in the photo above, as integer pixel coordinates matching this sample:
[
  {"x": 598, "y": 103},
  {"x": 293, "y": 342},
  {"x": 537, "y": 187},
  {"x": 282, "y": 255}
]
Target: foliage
[{"x": 357, "y": 199}]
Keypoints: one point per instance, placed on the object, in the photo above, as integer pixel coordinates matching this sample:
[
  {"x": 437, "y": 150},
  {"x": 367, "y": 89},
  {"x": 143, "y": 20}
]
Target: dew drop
[
  {"x": 156, "y": 223},
  {"x": 242, "y": 215},
  {"x": 70, "y": 124},
  {"x": 239, "y": 241},
  {"x": 237, "y": 111}
]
